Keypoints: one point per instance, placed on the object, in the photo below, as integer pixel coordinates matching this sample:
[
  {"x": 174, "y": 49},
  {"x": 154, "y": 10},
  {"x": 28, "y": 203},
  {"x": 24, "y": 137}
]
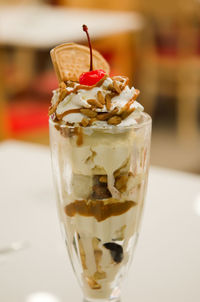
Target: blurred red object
[
  {"x": 29, "y": 111},
  {"x": 26, "y": 115}
]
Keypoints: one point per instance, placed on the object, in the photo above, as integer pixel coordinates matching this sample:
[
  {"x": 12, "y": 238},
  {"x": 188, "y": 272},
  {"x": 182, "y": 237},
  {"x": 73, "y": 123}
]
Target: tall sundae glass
[{"x": 100, "y": 144}]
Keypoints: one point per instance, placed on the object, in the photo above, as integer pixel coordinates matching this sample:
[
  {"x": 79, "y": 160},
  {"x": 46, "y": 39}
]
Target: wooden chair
[
  {"x": 101, "y": 4},
  {"x": 175, "y": 72}
]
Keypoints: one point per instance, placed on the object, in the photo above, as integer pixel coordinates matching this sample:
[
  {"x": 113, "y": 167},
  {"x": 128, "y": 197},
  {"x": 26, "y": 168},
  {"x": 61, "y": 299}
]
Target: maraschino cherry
[{"x": 93, "y": 76}]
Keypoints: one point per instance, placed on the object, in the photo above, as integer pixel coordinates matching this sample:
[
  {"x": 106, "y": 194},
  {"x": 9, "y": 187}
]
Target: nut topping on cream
[{"x": 109, "y": 102}]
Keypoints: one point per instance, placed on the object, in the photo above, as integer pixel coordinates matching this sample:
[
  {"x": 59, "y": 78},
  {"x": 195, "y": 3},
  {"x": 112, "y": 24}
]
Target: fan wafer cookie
[{"x": 70, "y": 60}]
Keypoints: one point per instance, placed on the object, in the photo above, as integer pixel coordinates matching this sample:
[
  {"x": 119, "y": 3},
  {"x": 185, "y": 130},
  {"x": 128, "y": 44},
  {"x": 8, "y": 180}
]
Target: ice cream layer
[
  {"x": 88, "y": 158},
  {"x": 102, "y": 153},
  {"x": 103, "y": 248}
]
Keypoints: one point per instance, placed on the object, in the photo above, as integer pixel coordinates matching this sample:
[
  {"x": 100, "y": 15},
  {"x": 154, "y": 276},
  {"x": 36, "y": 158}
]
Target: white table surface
[
  {"x": 45, "y": 26},
  {"x": 166, "y": 266}
]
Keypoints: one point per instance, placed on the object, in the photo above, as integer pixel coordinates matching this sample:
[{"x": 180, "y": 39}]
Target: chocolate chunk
[
  {"x": 116, "y": 251},
  {"x": 100, "y": 189},
  {"x": 100, "y": 192}
]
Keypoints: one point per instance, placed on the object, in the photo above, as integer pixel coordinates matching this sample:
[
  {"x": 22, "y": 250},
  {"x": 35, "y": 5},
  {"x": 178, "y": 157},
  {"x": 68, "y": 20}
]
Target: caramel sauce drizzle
[
  {"x": 124, "y": 81},
  {"x": 79, "y": 140},
  {"x": 60, "y": 116},
  {"x": 131, "y": 101},
  {"x": 98, "y": 209}
]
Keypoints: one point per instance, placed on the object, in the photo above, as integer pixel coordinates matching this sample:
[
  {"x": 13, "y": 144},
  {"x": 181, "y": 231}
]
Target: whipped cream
[{"x": 77, "y": 99}]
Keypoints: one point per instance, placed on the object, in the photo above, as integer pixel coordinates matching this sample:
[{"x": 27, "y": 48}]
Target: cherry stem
[{"x": 85, "y": 29}]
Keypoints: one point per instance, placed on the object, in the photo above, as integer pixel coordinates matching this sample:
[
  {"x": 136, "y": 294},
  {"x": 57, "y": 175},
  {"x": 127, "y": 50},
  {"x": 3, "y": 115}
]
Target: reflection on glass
[{"x": 197, "y": 205}]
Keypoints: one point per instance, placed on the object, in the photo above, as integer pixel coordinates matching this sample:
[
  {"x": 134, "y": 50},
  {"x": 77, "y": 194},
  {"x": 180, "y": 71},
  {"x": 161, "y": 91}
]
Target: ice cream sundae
[{"x": 100, "y": 140}]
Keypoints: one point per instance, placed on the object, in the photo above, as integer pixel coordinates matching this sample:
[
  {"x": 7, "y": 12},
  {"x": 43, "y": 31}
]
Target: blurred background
[{"x": 155, "y": 43}]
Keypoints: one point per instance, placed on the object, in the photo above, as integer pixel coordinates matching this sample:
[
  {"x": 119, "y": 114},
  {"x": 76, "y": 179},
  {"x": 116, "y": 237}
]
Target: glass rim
[{"x": 147, "y": 121}]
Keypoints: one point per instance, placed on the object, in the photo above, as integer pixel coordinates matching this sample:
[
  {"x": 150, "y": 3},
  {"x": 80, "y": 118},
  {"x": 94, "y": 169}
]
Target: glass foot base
[
  {"x": 114, "y": 297},
  {"x": 102, "y": 300}
]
